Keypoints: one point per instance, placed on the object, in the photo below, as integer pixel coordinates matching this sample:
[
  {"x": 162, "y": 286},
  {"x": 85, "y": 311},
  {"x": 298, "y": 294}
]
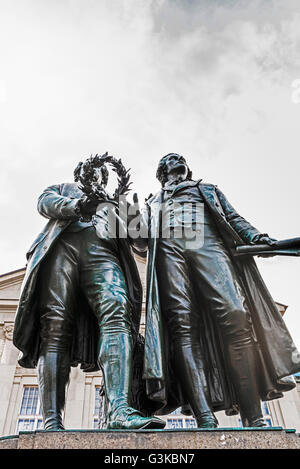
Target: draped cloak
[{"x": 277, "y": 355}]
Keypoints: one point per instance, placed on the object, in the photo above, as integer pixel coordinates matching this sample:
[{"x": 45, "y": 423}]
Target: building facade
[{"x": 19, "y": 400}]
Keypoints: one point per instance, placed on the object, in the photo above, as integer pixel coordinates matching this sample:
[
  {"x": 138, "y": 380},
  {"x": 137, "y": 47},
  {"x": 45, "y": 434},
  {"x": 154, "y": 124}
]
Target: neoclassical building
[{"x": 19, "y": 401}]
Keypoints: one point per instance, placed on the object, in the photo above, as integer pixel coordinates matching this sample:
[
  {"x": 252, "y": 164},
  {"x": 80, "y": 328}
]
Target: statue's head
[
  {"x": 172, "y": 163},
  {"x": 99, "y": 175}
]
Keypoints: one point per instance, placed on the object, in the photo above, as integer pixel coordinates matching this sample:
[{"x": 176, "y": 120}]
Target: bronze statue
[
  {"x": 215, "y": 339},
  {"x": 81, "y": 299}
]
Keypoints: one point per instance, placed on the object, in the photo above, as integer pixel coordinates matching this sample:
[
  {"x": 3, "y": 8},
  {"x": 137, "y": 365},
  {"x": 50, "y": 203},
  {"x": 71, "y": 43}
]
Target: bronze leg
[
  {"x": 58, "y": 282},
  {"x": 222, "y": 293},
  {"x": 176, "y": 301},
  {"x": 104, "y": 285}
]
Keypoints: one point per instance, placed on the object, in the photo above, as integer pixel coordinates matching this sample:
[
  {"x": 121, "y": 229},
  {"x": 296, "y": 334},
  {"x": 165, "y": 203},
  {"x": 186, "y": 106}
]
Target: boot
[
  {"x": 193, "y": 386},
  {"x": 243, "y": 364},
  {"x": 115, "y": 359},
  {"x": 258, "y": 422},
  {"x": 53, "y": 375}
]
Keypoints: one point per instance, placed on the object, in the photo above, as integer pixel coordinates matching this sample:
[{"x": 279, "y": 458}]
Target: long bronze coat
[
  {"x": 58, "y": 203},
  {"x": 277, "y": 354}
]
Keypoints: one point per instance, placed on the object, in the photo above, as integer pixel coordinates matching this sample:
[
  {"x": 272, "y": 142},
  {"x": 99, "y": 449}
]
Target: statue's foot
[
  {"x": 53, "y": 424},
  {"x": 131, "y": 419},
  {"x": 54, "y": 427},
  {"x": 259, "y": 422},
  {"x": 207, "y": 420}
]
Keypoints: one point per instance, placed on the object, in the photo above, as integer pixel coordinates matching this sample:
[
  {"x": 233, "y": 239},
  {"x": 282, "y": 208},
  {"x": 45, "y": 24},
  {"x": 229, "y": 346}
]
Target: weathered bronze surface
[
  {"x": 80, "y": 303},
  {"x": 215, "y": 339}
]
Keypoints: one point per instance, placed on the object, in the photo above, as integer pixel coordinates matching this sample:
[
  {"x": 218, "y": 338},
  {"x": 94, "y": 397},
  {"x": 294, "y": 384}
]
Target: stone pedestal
[{"x": 221, "y": 438}]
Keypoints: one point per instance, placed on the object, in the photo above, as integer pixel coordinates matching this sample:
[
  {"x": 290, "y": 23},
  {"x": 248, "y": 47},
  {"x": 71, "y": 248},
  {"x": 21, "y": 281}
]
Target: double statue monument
[{"x": 214, "y": 338}]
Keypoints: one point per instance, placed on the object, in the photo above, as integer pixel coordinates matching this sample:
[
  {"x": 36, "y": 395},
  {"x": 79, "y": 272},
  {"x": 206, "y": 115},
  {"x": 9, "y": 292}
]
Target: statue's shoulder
[
  {"x": 66, "y": 189},
  {"x": 207, "y": 185},
  {"x": 68, "y": 185},
  {"x": 70, "y": 189}
]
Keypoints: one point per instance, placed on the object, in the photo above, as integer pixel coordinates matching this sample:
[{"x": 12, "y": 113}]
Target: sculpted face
[{"x": 176, "y": 165}]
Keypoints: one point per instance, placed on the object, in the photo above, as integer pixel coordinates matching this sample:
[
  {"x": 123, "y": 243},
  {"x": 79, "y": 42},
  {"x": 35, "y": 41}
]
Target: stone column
[
  {"x": 73, "y": 418},
  {"x": 8, "y": 359}
]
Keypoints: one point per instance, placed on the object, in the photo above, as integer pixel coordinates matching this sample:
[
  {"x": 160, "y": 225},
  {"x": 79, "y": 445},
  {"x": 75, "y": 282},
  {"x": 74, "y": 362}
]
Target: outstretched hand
[{"x": 266, "y": 240}]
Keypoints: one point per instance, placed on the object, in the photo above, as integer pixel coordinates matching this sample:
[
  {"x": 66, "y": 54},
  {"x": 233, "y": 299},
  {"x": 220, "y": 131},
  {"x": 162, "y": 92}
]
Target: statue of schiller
[{"x": 215, "y": 339}]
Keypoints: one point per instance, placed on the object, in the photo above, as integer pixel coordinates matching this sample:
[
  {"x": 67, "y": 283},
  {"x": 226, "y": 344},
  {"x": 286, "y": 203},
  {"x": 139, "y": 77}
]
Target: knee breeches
[
  {"x": 81, "y": 262},
  {"x": 205, "y": 278}
]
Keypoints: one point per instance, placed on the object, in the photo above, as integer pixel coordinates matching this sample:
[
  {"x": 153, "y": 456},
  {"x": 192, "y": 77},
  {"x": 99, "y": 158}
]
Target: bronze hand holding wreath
[{"x": 88, "y": 173}]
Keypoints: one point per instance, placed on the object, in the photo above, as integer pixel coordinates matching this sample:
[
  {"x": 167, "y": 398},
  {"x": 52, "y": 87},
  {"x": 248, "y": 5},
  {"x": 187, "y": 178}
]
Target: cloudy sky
[{"x": 213, "y": 80}]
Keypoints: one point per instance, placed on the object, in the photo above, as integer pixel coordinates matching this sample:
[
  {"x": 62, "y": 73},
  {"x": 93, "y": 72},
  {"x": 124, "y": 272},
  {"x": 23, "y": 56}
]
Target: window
[
  {"x": 30, "y": 400},
  {"x": 27, "y": 425},
  {"x": 97, "y": 400},
  {"x": 265, "y": 408},
  {"x": 99, "y": 417},
  {"x": 96, "y": 424},
  {"x": 266, "y": 414},
  {"x": 180, "y": 422},
  {"x": 190, "y": 423},
  {"x": 96, "y": 407},
  {"x": 174, "y": 423},
  {"x": 30, "y": 417}
]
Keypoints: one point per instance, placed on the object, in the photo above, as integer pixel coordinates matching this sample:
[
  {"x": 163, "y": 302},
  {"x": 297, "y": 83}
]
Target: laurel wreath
[{"x": 89, "y": 178}]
